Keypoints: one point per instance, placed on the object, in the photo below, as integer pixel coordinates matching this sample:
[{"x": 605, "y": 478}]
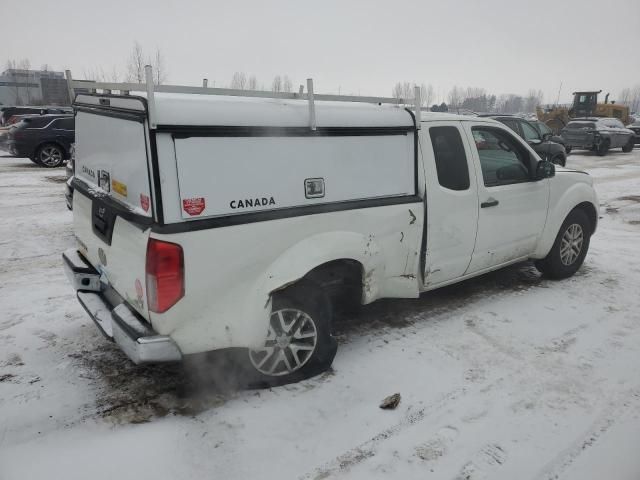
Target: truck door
[
  {"x": 513, "y": 205},
  {"x": 451, "y": 202}
]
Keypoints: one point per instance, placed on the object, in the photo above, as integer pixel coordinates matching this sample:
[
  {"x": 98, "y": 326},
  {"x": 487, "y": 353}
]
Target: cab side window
[
  {"x": 451, "y": 161},
  {"x": 502, "y": 159}
]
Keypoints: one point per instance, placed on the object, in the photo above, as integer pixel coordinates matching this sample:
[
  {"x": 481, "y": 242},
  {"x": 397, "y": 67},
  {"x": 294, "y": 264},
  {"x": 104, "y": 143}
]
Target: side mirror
[
  {"x": 534, "y": 141},
  {"x": 545, "y": 169}
]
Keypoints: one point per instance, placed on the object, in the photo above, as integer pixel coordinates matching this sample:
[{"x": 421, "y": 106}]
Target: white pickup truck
[{"x": 208, "y": 222}]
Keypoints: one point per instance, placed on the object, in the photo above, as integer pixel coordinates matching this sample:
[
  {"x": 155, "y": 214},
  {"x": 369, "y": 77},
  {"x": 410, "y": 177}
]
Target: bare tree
[
  {"x": 159, "y": 68},
  {"x": 635, "y": 99},
  {"x": 455, "y": 97},
  {"x": 427, "y": 94},
  {"x": 239, "y": 81},
  {"x": 135, "y": 64},
  {"x": 287, "y": 85},
  {"x": 252, "y": 84},
  {"x": 406, "y": 92},
  {"x": 276, "y": 85},
  {"x": 533, "y": 99},
  {"x": 100, "y": 75}
]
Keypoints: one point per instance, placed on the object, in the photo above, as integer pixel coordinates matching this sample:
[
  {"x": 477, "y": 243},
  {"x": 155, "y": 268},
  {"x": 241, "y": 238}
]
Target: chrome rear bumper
[{"x": 115, "y": 319}]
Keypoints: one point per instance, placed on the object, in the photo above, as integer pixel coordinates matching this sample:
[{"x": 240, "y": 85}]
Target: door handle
[{"x": 492, "y": 202}]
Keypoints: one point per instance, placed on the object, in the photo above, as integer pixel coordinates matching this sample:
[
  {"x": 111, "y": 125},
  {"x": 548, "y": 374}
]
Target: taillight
[{"x": 165, "y": 275}]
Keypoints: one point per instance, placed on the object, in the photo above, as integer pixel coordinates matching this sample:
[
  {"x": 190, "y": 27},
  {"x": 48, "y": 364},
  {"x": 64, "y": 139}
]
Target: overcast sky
[{"x": 359, "y": 46}]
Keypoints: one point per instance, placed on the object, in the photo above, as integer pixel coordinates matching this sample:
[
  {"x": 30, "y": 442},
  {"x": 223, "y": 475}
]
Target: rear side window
[
  {"x": 451, "y": 161},
  {"x": 64, "y": 124},
  {"x": 36, "y": 122}
]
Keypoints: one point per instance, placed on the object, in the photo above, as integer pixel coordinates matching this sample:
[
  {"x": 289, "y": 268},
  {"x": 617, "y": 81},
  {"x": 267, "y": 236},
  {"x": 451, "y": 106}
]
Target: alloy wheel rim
[
  {"x": 50, "y": 156},
  {"x": 571, "y": 244},
  {"x": 291, "y": 342}
]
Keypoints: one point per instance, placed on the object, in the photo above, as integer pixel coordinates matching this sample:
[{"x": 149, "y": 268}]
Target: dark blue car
[{"x": 45, "y": 139}]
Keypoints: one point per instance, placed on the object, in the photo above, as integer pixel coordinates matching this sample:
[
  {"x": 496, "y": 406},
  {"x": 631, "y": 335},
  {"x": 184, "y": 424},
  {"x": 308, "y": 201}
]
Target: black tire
[
  {"x": 559, "y": 160},
  {"x": 309, "y": 298},
  {"x": 50, "y": 155},
  {"x": 603, "y": 148},
  {"x": 557, "y": 264},
  {"x": 629, "y": 146},
  {"x": 567, "y": 149}
]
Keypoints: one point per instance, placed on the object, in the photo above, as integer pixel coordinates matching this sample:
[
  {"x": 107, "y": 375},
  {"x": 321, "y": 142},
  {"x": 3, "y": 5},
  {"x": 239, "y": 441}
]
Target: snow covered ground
[{"x": 507, "y": 376}]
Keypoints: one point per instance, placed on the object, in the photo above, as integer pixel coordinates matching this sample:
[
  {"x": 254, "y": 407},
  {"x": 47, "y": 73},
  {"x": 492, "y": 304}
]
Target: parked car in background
[
  {"x": 544, "y": 129},
  {"x": 7, "y": 112},
  {"x": 45, "y": 139},
  {"x": 598, "y": 134},
  {"x": 635, "y": 126},
  {"x": 543, "y": 146}
]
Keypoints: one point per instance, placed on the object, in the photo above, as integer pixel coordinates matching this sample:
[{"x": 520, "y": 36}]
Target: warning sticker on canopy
[{"x": 193, "y": 206}]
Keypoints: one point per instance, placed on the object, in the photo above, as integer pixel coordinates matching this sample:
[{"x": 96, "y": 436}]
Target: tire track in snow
[
  {"x": 612, "y": 412},
  {"x": 367, "y": 449}
]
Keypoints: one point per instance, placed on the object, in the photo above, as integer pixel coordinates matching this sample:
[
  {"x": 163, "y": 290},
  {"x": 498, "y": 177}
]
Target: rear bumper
[{"x": 115, "y": 319}]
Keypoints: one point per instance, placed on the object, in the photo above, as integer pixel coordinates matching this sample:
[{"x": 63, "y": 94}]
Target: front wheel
[
  {"x": 50, "y": 155},
  {"x": 569, "y": 249},
  {"x": 299, "y": 342},
  {"x": 629, "y": 146}
]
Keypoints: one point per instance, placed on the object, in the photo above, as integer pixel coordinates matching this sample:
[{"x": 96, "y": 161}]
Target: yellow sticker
[{"x": 119, "y": 187}]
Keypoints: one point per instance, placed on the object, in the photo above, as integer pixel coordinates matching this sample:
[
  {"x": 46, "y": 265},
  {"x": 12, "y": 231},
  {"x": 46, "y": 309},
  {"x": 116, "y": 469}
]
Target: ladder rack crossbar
[{"x": 83, "y": 85}]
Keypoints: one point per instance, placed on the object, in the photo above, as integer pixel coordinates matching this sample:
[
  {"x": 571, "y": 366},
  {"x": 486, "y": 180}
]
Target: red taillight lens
[{"x": 165, "y": 275}]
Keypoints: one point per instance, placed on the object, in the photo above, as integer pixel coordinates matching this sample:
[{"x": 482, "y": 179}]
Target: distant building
[{"x": 33, "y": 87}]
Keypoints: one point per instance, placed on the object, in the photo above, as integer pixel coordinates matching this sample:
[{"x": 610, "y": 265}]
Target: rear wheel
[
  {"x": 50, "y": 155},
  {"x": 299, "y": 342},
  {"x": 603, "y": 148},
  {"x": 569, "y": 249},
  {"x": 629, "y": 146}
]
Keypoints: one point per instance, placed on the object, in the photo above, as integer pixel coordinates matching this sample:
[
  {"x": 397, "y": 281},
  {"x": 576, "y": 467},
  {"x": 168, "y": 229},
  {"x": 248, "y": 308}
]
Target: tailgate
[{"x": 112, "y": 198}]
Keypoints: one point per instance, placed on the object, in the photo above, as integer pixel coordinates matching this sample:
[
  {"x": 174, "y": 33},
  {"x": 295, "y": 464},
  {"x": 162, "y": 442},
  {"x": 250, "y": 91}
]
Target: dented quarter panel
[{"x": 231, "y": 272}]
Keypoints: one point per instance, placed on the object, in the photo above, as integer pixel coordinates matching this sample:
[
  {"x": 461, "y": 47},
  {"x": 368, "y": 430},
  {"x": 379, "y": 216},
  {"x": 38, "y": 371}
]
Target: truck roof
[{"x": 204, "y": 110}]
